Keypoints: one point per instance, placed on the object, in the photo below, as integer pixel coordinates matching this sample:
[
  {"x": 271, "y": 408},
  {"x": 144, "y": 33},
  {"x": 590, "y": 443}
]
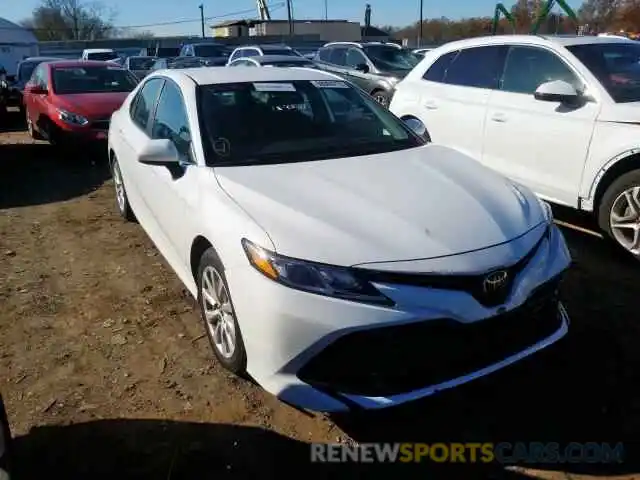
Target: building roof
[
  {"x": 215, "y": 75},
  {"x": 13, "y": 33}
]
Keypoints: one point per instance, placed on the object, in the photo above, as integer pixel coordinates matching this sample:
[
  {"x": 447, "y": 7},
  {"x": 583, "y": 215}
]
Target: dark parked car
[
  {"x": 139, "y": 66},
  {"x": 273, "y": 61},
  {"x": 25, "y": 68},
  {"x": 374, "y": 67},
  {"x": 212, "y": 51},
  {"x": 185, "y": 62}
]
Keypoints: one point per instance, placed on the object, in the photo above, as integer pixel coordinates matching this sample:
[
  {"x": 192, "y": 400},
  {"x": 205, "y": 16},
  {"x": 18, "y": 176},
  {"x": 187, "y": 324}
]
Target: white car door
[
  {"x": 173, "y": 192},
  {"x": 540, "y": 144},
  {"x": 454, "y": 94},
  {"x": 132, "y": 134}
]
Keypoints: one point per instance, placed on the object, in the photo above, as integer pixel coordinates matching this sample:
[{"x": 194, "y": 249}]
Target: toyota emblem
[{"x": 495, "y": 281}]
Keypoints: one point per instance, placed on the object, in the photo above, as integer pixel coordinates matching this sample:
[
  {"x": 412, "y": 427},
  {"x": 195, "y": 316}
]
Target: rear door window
[{"x": 479, "y": 67}]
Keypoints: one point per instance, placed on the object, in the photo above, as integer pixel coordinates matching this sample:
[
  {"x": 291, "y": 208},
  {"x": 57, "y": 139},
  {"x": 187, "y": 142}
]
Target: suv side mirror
[
  {"x": 557, "y": 91},
  {"x": 362, "y": 67}
]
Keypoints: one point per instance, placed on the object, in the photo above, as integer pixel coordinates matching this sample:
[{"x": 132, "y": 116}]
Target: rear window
[
  {"x": 210, "y": 51},
  {"x": 69, "y": 80},
  {"x": 102, "y": 56},
  {"x": 141, "y": 63},
  {"x": 278, "y": 51}
]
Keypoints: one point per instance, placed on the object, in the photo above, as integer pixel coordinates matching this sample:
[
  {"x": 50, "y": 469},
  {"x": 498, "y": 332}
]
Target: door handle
[
  {"x": 430, "y": 105},
  {"x": 499, "y": 117}
]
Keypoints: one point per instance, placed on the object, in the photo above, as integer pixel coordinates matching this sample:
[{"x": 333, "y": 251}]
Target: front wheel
[
  {"x": 619, "y": 212},
  {"x": 122, "y": 201},
  {"x": 218, "y": 314}
]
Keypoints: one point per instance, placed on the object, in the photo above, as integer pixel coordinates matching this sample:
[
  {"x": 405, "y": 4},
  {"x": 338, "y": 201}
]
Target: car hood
[
  {"x": 421, "y": 203},
  {"x": 92, "y": 105}
]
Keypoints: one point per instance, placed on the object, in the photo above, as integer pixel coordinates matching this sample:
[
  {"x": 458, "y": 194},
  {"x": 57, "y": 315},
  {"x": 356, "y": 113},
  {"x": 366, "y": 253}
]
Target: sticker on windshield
[
  {"x": 329, "y": 84},
  {"x": 274, "y": 87},
  {"x": 222, "y": 147}
]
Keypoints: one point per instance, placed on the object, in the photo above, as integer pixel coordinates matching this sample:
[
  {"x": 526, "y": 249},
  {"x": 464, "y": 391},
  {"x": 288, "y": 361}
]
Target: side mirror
[
  {"x": 416, "y": 126},
  {"x": 557, "y": 91},
  {"x": 161, "y": 152},
  {"x": 35, "y": 89},
  {"x": 362, "y": 67}
]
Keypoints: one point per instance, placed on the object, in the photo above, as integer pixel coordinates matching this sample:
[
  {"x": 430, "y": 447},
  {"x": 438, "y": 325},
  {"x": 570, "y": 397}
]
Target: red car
[{"x": 74, "y": 99}]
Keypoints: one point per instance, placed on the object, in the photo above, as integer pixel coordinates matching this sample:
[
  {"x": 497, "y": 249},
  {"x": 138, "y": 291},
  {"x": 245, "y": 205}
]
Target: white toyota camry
[{"x": 337, "y": 258}]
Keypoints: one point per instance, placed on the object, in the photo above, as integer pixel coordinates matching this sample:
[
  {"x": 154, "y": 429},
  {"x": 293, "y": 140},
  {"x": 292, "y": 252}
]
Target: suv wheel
[{"x": 619, "y": 212}]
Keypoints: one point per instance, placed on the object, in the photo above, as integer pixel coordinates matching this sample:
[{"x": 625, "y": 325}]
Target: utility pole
[
  {"x": 421, "y": 18},
  {"x": 202, "y": 18},
  {"x": 290, "y": 17},
  {"x": 326, "y": 10}
]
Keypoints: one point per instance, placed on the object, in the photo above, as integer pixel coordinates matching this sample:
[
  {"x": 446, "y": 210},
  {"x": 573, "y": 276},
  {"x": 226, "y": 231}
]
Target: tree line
[{"x": 85, "y": 20}]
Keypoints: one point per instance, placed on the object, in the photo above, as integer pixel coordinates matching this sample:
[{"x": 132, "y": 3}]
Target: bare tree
[{"x": 71, "y": 20}]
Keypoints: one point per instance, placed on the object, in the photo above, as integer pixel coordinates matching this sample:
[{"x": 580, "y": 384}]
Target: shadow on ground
[
  {"x": 151, "y": 449},
  {"x": 37, "y": 173},
  {"x": 583, "y": 389}
]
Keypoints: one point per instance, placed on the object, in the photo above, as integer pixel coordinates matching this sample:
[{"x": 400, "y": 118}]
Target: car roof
[
  {"x": 41, "y": 59},
  {"x": 549, "y": 40},
  {"x": 279, "y": 58},
  {"x": 218, "y": 75},
  {"x": 98, "y": 50},
  {"x": 82, "y": 63}
]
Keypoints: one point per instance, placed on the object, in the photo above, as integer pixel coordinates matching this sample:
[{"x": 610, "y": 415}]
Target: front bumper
[{"x": 292, "y": 336}]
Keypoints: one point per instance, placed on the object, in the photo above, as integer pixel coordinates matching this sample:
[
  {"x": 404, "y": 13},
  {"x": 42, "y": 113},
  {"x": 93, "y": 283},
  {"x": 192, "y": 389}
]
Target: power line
[{"x": 274, "y": 6}]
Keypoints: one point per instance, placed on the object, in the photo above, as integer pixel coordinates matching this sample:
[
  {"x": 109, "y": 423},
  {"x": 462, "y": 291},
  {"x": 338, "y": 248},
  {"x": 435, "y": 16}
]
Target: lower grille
[{"x": 398, "y": 359}]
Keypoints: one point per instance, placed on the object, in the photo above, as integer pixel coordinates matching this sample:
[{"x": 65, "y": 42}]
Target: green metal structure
[{"x": 544, "y": 13}]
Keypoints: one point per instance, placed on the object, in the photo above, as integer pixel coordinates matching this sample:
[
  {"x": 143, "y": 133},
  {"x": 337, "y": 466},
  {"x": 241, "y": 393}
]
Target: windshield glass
[
  {"x": 141, "y": 63},
  {"x": 390, "y": 58},
  {"x": 616, "y": 65},
  {"x": 25, "y": 70},
  {"x": 102, "y": 56},
  {"x": 210, "y": 51},
  {"x": 284, "y": 63},
  {"x": 68, "y": 80},
  {"x": 284, "y": 122},
  {"x": 277, "y": 51}
]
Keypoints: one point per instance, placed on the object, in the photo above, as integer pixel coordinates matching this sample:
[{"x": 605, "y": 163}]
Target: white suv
[{"x": 558, "y": 114}]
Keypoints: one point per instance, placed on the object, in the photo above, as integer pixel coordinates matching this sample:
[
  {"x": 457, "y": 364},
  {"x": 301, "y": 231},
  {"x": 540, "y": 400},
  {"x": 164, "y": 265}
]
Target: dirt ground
[{"x": 106, "y": 372}]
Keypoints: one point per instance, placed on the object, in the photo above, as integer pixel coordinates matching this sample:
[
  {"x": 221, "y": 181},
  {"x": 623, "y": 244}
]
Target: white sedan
[{"x": 337, "y": 258}]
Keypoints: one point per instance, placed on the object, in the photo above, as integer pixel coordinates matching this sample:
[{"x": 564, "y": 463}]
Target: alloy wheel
[
  {"x": 218, "y": 312},
  {"x": 119, "y": 186},
  {"x": 625, "y": 219}
]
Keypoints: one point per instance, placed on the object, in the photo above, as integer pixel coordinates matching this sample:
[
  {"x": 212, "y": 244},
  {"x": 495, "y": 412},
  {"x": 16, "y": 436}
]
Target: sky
[{"x": 383, "y": 12}]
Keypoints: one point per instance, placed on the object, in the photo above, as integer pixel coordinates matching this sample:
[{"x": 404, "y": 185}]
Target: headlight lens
[
  {"x": 72, "y": 118},
  {"x": 313, "y": 277}
]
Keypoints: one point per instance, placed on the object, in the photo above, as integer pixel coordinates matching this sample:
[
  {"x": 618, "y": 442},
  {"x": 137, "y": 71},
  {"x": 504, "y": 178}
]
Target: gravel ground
[{"x": 105, "y": 370}]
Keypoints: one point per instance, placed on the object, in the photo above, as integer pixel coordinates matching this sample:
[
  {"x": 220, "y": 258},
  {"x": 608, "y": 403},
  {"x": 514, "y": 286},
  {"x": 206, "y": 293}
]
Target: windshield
[
  {"x": 141, "y": 63},
  {"x": 277, "y": 51},
  {"x": 284, "y": 63},
  {"x": 210, "y": 51},
  {"x": 390, "y": 58},
  {"x": 616, "y": 65},
  {"x": 284, "y": 122},
  {"x": 102, "y": 56},
  {"x": 25, "y": 70},
  {"x": 67, "y": 80}
]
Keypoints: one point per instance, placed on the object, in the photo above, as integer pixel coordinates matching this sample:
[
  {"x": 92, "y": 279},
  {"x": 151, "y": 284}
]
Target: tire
[
  {"x": 33, "y": 133},
  {"x": 382, "y": 97},
  {"x": 122, "y": 201},
  {"x": 616, "y": 203},
  {"x": 220, "y": 324}
]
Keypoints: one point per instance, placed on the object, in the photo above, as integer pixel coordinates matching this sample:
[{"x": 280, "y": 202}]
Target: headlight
[
  {"x": 332, "y": 281},
  {"x": 72, "y": 118}
]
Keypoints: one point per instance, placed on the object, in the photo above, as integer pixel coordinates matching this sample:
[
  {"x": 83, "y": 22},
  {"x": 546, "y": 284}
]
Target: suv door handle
[
  {"x": 430, "y": 105},
  {"x": 499, "y": 117}
]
